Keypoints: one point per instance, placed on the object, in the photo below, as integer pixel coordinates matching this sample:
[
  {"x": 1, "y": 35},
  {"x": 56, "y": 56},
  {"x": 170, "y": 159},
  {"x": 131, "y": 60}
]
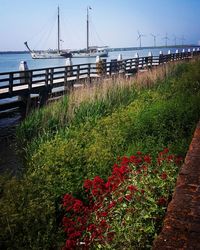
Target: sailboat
[
  {"x": 50, "y": 54},
  {"x": 90, "y": 51}
]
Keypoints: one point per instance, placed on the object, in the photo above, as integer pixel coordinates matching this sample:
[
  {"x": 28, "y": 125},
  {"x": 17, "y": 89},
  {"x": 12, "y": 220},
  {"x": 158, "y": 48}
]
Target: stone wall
[{"x": 181, "y": 228}]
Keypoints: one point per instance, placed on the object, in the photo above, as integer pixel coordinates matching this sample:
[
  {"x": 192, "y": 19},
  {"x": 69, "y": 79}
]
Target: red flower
[
  {"x": 163, "y": 176},
  {"x": 110, "y": 236},
  {"x": 162, "y": 201},
  {"x": 166, "y": 151},
  {"x": 104, "y": 214},
  {"x": 68, "y": 201},
  {"x": 98, "y": 181},
  {"x": 112, "y": 204},
  {"x": 103, "y": 224},
  {"x": 147, "y": 159},
  {"x": 170, "y": 158},
  {"x": 92, "y": 227},
  {"x": 138, "y": 171},
  {"x": 160, "y": 160},
  {"x": 125, "y": 160},
  {"x": 128, "y": 197},
  {"x": 132, "y": 188},
  {"x": 70, "y": 244},
  {"x": 142, "y": 191},
  {"x": 178, "y": 160},
  {"x": 77, "y": 206},
  {"x": 120, "y": 199},
  {"x": 145, "y": 168},
  {"x": 139, "y": 153},
  {"x": 75, "y": 235},
  {"x": 155, "y": 171},
  {"x": 87, "y": 184}
]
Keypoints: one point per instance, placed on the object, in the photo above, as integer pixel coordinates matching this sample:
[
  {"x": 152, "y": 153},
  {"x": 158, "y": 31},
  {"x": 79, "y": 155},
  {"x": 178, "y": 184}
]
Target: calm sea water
[{"x": 10, "y": 62}]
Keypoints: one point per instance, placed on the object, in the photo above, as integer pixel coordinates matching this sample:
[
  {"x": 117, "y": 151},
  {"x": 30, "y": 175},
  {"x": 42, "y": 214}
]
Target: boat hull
[
  {"x": 90, "y": 54},
  {"x": 50, "y": 55}
]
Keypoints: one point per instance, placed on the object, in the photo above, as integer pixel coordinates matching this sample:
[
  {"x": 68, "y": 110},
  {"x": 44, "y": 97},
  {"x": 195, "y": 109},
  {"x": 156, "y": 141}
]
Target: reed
[{"x": 88, "y": 102}]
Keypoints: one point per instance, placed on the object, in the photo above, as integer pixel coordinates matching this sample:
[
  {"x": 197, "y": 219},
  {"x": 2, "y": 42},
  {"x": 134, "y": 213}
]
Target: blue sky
[{"x": 113, "y": 22}]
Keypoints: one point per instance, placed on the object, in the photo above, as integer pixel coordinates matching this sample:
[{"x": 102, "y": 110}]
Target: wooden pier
[{"x": 45, "y": 81}]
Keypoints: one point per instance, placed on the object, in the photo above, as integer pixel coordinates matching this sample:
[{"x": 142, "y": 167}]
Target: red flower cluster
[
  {"x": 164, "y": 156},
  {"x": 163, "y": 176},
  {"x": 84, "y": 224}
]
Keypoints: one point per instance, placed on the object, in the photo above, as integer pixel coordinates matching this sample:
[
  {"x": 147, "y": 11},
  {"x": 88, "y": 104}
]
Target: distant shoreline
[
  {"x": 14, "y": 52},
  {"x": 118, "y": 49}
]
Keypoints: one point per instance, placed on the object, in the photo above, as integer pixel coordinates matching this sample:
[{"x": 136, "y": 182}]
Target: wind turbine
[
  {"x": 166, "y": 39},
  {"x": 154, "y": 39},
  {"x": 175, "y": 39},
  {"x": 183, "y": 39},
  {"x": 140, "y": 38}
]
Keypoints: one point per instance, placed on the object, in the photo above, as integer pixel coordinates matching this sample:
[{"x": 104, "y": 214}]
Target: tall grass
[
  {"x": 89, "y": 102},
  {"x": 84, "y": 134}
]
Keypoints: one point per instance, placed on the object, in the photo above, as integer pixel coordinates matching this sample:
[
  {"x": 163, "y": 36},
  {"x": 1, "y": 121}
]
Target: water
[{"x": 10, "y": 62}]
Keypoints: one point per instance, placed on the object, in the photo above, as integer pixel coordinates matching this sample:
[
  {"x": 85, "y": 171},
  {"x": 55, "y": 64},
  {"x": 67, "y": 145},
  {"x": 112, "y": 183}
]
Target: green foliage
[
  {"x": 28, "y": 216},
  {"x": 125, "y": 211},
  {"x": 61, "y": 153},
  {"x": 43, "y": 122}
]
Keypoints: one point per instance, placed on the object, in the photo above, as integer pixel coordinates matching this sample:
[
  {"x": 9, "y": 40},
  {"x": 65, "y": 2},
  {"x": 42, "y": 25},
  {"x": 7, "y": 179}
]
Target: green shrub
[
  {"x": 28, "y": 216},
  {"x": 66, "y": 151}
]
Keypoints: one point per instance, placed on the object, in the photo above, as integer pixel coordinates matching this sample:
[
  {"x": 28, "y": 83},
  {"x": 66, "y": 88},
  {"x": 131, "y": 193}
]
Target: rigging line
[
  {"x": 70, "y": 34},
  {"x": 49, "y": 34},
  {"x": 42, "y": 41},
  {"x": 44, "y": 31},
  {"x": 96, "y": 33},
  {"x": 41, "y": 29}
]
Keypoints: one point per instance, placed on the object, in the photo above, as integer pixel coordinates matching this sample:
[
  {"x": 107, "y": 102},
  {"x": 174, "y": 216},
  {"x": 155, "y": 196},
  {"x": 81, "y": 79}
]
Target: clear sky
[{"x": 113, "y": 22}]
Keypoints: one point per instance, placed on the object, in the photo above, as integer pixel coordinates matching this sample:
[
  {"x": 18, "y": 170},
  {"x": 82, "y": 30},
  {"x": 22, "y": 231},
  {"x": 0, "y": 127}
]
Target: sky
[{"x": 114, "y": 23}]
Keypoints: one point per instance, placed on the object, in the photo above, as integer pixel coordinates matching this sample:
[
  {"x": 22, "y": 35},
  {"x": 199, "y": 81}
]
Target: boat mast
[
  {"x": 58, "y": 31},
  {"x": 88, "y": 8},
  {"x": 87, "y": 29}
]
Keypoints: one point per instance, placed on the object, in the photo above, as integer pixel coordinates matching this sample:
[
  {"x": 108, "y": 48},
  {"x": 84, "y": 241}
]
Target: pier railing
[{"x": 43, "y": 81}]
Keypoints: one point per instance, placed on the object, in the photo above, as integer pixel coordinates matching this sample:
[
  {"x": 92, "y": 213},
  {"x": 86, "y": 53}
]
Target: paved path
[{"x": 182, "y": 223}]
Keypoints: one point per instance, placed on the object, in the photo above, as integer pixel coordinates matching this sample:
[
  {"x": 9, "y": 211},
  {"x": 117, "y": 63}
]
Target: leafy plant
[{"x": 125, "y": 211}]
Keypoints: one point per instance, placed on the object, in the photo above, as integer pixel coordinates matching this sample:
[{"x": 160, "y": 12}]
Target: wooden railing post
[
  {"x": 10, "y": 83},
  {"x": 69, "y": 64},
  {"x": 30, "y": 75},
  {"x": 193, "y": 52},
  {"x": 46, "y": 78},
  {"x": 169, "y": 55},
  {"x": 78, "y": 72},
  {"x": 161, "y": 57},
  {"x": 89, "y": 72},
  {"x": 101, "y": 67},
  {"x": 150, "y": 59},
  {"x": 189, "y": 53},
  {"x": 183, "y": 54},
  {"x": 51, "y": 77},
  {"x": 136, "y": 57},
  {"x": 25, "y": 79},
  {"x": 23, "y": 67},
  {"x": 113, "y": 67},
  {"x": 120, "y": 64},
  {"x": 176, "y": 55}
]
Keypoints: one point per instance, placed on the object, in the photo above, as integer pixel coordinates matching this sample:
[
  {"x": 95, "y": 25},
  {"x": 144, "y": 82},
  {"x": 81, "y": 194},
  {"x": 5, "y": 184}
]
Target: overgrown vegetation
[
  {"x": 81, "y": 136},
  {"x": 125, "y": 210}
]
